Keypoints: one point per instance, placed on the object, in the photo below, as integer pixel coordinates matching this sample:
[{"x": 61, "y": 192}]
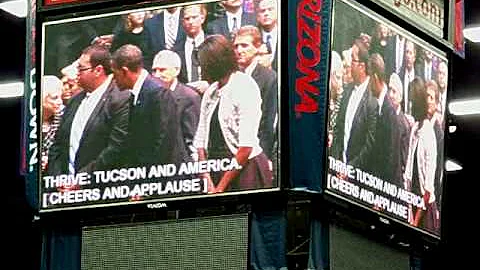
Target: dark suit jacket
[
  {"x": 390, "y": 54},
  {"x": 183, "y": 76},
  {"x": 385, "y": 139},
  {"x": 103, "y": 138},
  {"x": 152, "y": 126},
  {"x": 362, "y": 134},
  {"x": 401, "y": 141},
  {"x": 406, "y": 99},
  {"x": 420, "y": 70},
  {"x": 220, "y": 25},
  {"x": 188, "y": 112},
  {"x": 268, "y": 83},
  {"x": 155, "y": 36},
  {"x": 274, "y": 63}
]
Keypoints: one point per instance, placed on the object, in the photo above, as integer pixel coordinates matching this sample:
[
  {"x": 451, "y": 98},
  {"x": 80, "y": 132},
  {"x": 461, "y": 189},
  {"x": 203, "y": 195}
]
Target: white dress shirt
[
  {"x": 353, "y": 103},
  {"x": 188, "y": 51},
  {"x": 273, "y": 40},
  {"x": 230, "y": 21},
  {"x": 138, "y": 85},
  {"x": 81, "y": 118},
  {"x": 400, "y": 49},
  {"x": 171, "y": 20}
]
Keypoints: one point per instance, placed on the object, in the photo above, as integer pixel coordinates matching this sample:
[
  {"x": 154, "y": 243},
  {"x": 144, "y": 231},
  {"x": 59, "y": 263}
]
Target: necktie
[
  {"x": 235, "y": 25},
  {"x": 269, "y": 43},
  {"x": 170, "y": 37},
  {"x": 195, "y": 64}
]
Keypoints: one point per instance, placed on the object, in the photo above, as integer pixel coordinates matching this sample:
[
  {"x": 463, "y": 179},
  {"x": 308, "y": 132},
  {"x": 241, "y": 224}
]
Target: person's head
[
  {"x": 376, "y": 69},
  {"x": 410, "y": 54},
  {"x": 427, "y": 55},
  {"x": 127, "y": 64},
  {"x": 135, "y": 20},
  {"x": 93, "y": 67},
  {"x": 217, "y": 58},
  {"x": 166, "y": 66},
  {"x": 51, "y": 95},
  {"x": 193, "y": 17},
  {"x": 381, "y": 32},
  {"x": 395, "y": 90},
  {"x": 266, "y": 11},
  {"x": 336, "y": 75},
  {"x": 232, "y": 5},
  {"x": 69, "y": 80},
  {"x": 431, "y": 88},
  {"x": 172, "y": 10},
  {"x": 246, "y": 44},
  {"x": 419, "y": 99},
  {"x": 442, "y": 76},
  {"x": 359, "y": 61}
]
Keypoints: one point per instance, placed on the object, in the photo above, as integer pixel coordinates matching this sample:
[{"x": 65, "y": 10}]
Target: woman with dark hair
[
  {"x": 133, "y": 32},
  {"x": 421, "y": 164},
  {"x": 229, "y": 120}
]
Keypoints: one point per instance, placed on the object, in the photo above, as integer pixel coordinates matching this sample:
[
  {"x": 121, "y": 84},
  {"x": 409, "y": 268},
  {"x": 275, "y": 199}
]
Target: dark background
[{"x": 23, "y": 239}]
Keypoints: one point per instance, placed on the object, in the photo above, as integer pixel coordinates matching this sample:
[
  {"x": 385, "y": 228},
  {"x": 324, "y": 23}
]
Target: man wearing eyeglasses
[
  {"x": 357, "y": 118},
  {"x": 94, "y": 126}
]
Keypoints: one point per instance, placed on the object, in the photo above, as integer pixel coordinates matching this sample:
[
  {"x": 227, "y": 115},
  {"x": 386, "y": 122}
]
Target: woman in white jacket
[
  {"x": 229, "y": 120},
  {"x": 422, "y": 156}
]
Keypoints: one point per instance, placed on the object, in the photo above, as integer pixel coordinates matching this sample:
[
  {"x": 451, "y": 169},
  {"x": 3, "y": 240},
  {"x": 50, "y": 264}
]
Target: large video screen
[
  {"x": 158, "y": 103},
  {"x": 386, "y": 118}
]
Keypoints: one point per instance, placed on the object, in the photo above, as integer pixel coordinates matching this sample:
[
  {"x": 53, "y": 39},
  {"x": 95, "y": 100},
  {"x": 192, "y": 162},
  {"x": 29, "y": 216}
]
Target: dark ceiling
[{"x": 13, "y": 32}]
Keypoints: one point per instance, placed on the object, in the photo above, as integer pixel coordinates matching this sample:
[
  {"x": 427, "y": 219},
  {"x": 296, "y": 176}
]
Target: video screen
[
  {"x": 386, "y": 118},
  {"x": 159, "y": 103}
]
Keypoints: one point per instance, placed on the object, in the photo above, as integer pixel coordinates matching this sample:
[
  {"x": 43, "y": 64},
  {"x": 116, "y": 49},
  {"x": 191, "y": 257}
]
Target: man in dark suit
[
  {"x": 426, "y": 68},
  {"x": 166, "y": 66},
  {"x": 192, "y": 18},
  {"x": 385, "y": 135},
  {"x": 165, "y": 30},
  {"x": 246, "y": 44},
  {"x": 152, "y": 112},
  {"x": 357, "y": 118},
  {"x": 233, "y": 19},
  {"x": 401, "y": 129},
  {"x": 94, "y": 126},
  {"x": 394, "y": 54},
  {"x": 407, "y": 73},
  {"x": 267, "y": 22}
]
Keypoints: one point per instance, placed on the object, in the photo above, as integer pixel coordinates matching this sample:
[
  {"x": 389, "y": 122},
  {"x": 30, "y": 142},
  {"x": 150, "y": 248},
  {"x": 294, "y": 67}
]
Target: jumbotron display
[
  {"x": 386, "y": 118},
  {"x": 159, "y": 103}
]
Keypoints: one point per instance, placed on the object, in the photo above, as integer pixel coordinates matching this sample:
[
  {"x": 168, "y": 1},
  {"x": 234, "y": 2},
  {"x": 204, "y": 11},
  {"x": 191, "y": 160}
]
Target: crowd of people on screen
[
  {"x": 387, "y": 100},
  {"x": 166, "y": 86}
]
